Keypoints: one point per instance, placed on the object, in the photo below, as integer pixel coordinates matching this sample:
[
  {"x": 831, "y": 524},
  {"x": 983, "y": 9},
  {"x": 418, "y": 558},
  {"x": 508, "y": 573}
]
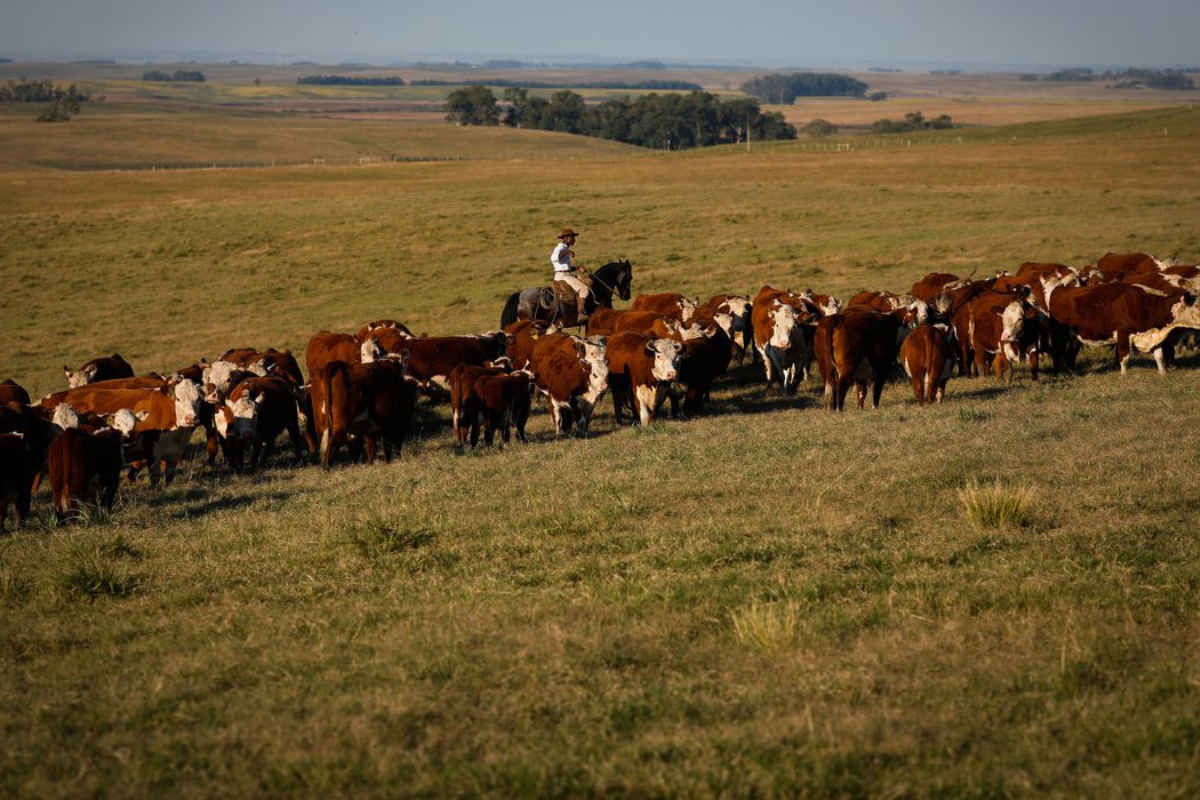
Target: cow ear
[
  {"x": 68, "y": 371},
  {"x": 142, "y": 415},
  {"x": 258, "y": 401},
  {"x": 649, "y": 349}
]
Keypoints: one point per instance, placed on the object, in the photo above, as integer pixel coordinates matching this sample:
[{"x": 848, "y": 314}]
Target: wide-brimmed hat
[{"x": 567, "y": 232}]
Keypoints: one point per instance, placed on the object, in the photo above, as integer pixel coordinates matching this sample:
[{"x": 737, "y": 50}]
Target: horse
[{"x": 543, "y": 303}]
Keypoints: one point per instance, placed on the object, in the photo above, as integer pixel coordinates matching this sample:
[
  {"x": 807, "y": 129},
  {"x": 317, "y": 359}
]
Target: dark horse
[{"x": 542, "y": 303}]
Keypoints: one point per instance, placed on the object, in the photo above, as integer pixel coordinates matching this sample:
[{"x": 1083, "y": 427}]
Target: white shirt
[{"x": 561, "y": 259}]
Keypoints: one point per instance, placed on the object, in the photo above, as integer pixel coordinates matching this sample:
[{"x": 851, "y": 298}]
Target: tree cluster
[
  {"x": 913, "y": 121},
  {"x": 662, "y": 121},
  {"x": 648, "y": 85},
  {"x": 178, "y": 76},
  {"x": 346, "y": 80},
  {"x": 783, "y": 89},
  {"x": 65, "y": 106},
  {"x": 1131, "y": 78},
  {"x": 26, "y": 91}
]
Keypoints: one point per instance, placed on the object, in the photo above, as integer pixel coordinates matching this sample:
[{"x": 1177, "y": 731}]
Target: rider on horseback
[{"x": 563, "y": 268}]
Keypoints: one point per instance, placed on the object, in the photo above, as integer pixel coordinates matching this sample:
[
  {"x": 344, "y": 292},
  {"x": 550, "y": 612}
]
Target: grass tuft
[
  {"x": 997, "y": 506},
  {"x": 91, "y": 574},
  {"x": 381, "y": 535},
  {"x": 767, "y": 627}
]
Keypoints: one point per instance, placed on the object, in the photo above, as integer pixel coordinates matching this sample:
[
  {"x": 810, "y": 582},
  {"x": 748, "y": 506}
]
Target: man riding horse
[{"x": 560, "y": 259}]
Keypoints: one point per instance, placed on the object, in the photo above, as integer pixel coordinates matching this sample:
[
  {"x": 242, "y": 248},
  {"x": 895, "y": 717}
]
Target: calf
[
  {"x": 572, "y": 381},
  {"x": 372, "y": 401},
  {"x": 927, "y": 356},
  {"x": 505, "y": 401},
  {"x": 84, "y": 467},
  {"x": 256, "y": 412},
  {"x": 465, "y": 404},
  {"x": 705, "y": 358},
  {"x": 1007, "y": 326},
  {"x": 640, "y": 373},
  {"x": 98, "y": 369},
  {"x": 856, "y": 347}
]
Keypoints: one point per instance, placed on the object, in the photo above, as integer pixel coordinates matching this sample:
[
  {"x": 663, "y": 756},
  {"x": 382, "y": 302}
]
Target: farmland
[{"x": 766, "y": 600}]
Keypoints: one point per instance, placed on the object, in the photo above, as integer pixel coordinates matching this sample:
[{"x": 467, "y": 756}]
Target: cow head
[
  {"x": 596, "y": 359},
  {"x": 370, "y": 350},
  {"x": 238, "y": 419},
  {"x": 187, "y": 403},
  {"x": 80, "y": 377},
  {"x": 667, "y": 354},
  {"x": 65, "y": 416},
  {"x": 218, "y": 380},
  {"x": 1012, "y": 329},
  {"x": 124, "y": 421},
  {"x": 784, "y": 324}
]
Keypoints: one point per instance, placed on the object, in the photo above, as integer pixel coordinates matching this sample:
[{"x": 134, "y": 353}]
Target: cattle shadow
[{"x": 215, "y": 505}]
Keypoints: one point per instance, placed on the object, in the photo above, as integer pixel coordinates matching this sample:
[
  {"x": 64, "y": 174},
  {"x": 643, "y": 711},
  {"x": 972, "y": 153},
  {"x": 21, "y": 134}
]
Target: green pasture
[{"x": 770, "y": 600}]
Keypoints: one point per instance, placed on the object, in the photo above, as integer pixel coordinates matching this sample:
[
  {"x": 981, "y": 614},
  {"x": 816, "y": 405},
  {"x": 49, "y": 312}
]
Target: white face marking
[
  {"x": 666, "y": 359},
  {"x": 785, "y": 322},
  {"x": 370, "y": 350},
  {"x": 245, "y": 417},
  {"x": 65, "y": 416},
  {"x": 187, "y": 403},
  {"x": 1012, "y": 323},
  {"x": 76, "y": 378},
  {"x": 124, "y": 422},
  {"x": 220, "y": 375},
  {"x": 597, "y": 376}
]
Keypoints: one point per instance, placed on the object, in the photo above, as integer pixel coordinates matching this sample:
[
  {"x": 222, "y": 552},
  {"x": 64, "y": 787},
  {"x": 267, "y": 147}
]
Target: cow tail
[
  {"x": 831, "y": 380},
  {"x": 509, "y": 315},
  {"x": 933, "y": 366}
]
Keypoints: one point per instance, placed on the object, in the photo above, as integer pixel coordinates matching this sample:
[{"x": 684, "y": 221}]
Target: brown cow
[
  {"x": 505, "y": 400},
  {"x": 740, "y": 309},
  {"x": 523, "y": 335},
  {"x": 167, "y": 417},
  {"x": 373, "y": 402},
  {"x": 856, "y": 346},
  {"x": 326, "y": 347},
  {"x": 432, "y": 358},
  {"x": 84, "y": 467},
  {"x": 13, "y": 392},
  {"x": 782, "y": 342},
  {"x": 17, "y": 469},
  {"x": 640, "y": 373},
  {"x": 1007, "y": 326},
  {"x": 464, "y": 403},
  {"x": 257, "y": 411},
  {"x": 266, "y": 363},
  {"x": 668, "y": 304},
  {"x": 572, "y": 381},
  {"x": 936, "y": 283},
  {"x": 98, "y": 369},
  {"x": 1117, "y": 266},
  {"x": 1121, "y": 314},
  {"x": 927, "y": 355}
]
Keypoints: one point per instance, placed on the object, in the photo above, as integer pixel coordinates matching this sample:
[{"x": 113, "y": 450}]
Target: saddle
[{"x": 560, "y": 294}]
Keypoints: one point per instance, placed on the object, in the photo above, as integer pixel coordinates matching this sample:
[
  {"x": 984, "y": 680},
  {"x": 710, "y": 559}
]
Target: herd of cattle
[{"x": 362, "y": 388}]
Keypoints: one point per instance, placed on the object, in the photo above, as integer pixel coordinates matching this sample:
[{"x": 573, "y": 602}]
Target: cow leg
[
  {"x": 212, "y": 445},
  {"x": 918, "y": 381},
  {"x": 1033, "y": 364},
  {"x": 766, "y": 362},
  {"x": 370, "y": 444},
  {"x": 293, "y": 429},
  {"x": 1160, "y": 358},
  {"x": 1123, "y": 351}
]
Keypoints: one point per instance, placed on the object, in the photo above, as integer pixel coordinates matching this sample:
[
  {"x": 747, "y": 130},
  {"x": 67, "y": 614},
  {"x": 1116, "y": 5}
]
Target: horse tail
[{"x": 509, "y": 315}]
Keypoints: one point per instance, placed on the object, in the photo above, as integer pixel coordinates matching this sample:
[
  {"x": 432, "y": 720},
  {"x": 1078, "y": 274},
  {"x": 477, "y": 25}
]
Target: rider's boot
[{"x": 581, "y": 314}]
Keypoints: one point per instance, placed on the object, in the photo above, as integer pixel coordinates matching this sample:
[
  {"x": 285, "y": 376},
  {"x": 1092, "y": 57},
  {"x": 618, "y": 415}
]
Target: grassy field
[{"x": 767, "y": 601}]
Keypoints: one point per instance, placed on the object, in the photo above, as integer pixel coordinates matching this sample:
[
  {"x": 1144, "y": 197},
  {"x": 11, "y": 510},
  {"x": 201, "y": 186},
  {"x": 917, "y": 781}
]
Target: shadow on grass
[{"x": 218, "y": 504}]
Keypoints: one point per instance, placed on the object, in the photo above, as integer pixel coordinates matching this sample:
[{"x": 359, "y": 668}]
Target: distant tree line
[
  {"x": 346, "y": 80},
  {"x": 913, "y": 121},
  {"x": 26, "y": 91},
  {"x": 178, "y": 76},
  {"x": 1171, "y": 79},
  {"x": 782, "y": 89},
  {"x": 661, "y": 121},
  {"x": 627, "y": 86}
]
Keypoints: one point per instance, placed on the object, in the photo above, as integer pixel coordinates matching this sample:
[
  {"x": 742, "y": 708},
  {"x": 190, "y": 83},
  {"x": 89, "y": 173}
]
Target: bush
[{"x": 997, "y": 506}]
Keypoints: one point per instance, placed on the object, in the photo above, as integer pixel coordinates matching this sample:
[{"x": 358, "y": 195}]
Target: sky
[{"x": 795, "y": 32}]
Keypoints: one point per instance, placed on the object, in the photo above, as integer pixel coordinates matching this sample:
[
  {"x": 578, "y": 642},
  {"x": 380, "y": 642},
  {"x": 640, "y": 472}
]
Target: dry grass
[{"x": 997, "y": 505}]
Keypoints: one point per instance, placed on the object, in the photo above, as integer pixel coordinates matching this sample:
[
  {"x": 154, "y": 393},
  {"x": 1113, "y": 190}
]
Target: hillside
[{"x": 769, "y": 600}]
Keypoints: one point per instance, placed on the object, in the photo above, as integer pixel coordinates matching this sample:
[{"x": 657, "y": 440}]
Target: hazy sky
[{"x": 799, "y": 32}]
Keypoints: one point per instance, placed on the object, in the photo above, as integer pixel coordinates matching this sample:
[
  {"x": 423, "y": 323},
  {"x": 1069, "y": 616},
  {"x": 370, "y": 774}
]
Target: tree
[
  {"x": 565, "y": 113},
  {"x": 66, "y": 106},
  {"x": 472, "y": 105}
]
